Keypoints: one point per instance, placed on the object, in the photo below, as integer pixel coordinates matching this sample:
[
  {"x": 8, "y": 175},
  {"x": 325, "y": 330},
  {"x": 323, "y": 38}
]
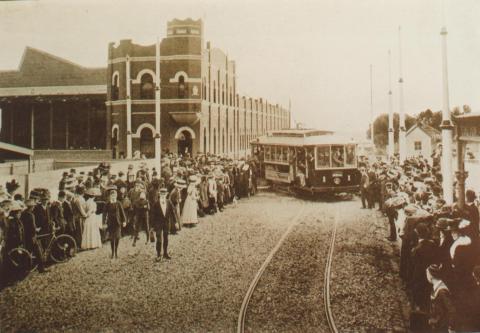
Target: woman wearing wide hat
[
  {"x": 91, "y": 237},
  {"x": 189, "y": 212}
]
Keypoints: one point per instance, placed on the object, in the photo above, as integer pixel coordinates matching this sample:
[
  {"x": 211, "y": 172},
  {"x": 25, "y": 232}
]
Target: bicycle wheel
[
  {"x": 21, "y": 260},
  {"x": 63, "y": 248}
]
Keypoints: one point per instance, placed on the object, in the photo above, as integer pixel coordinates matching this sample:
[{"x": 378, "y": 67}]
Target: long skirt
[
  {"x": 189, "y": 213},
  {"x": 91, "y": 237}
]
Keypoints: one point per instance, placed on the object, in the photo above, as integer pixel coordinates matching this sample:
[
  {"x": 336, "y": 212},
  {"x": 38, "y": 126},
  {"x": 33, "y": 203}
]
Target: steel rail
[
  {"x": 326, "y": 284},
  {"x": 243, "y": 309}
]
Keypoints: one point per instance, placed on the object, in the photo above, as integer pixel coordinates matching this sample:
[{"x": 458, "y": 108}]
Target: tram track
[{"x": 326, "y": 283}]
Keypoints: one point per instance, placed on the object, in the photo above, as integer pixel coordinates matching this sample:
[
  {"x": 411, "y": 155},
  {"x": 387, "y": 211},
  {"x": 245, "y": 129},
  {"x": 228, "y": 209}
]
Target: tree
[{"x": 380, "y": 128}]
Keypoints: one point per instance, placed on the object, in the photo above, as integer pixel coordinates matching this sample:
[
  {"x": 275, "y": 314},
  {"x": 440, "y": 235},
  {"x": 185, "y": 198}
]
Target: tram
[{"x": 308, "y": 161}]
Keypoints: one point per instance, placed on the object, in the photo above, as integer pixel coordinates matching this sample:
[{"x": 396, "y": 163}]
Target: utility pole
[
  {"x": 402, "y": 130},
  {"x": 158, "y": 150},
  {"x": 391, "y": 137},
  {"x": 446, "y": 126}
]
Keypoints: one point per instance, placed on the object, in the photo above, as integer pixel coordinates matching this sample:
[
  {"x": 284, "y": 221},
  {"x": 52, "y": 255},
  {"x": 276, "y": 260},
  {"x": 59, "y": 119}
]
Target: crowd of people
[
  {"x": 98, "y": 206},
  {"x": 440, "y": 244}
]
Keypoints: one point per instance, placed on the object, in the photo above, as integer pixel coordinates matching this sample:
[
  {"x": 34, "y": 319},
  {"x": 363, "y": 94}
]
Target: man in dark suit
[
  {"x": 42, "y": 215},
  {"x": 423, "y": 255},
  {"x": 68, "y": 215},
  {"x": 57, "y": 213},
  {"x": 161, "y": 211},
  {"x": 472, "y": 215},
  {"x": 364, "y": 183},
  {"x": 30, "y": 231}
]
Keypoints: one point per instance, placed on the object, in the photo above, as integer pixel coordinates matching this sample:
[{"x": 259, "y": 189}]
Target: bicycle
[{"x": 60, "y": 249}]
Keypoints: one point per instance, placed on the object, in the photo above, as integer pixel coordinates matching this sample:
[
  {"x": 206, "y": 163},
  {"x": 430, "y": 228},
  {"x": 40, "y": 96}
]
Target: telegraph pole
[
  {"x": 158, "y": 150},
  {"x": 446, "y": 126},
  {"x": 402, "y": 129},
  {"x": 391, "y": 137}
]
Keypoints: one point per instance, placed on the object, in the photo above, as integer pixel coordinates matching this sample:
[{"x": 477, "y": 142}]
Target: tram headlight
[{"x": 337, "y": 180}]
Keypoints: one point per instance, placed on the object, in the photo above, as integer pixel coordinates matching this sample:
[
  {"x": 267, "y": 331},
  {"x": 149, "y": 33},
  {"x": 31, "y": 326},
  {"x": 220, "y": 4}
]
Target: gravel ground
[
  {"x": 366, "y": 292},
  {"x": 199, "y": 290},
  {"x": 289, "y": 296}
]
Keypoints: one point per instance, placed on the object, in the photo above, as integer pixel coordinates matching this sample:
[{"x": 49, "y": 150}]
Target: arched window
[
  {"x": 147, "y": 146},
  {"x": 181, "y": 86},
  {"x": 146, "y": 87},
  {"x": 115, "y": 88}
]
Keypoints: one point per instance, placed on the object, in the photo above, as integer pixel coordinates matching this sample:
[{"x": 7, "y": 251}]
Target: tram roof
[
  {"x": 329, "y": 138},
  {"x": 298, "y": 132}
]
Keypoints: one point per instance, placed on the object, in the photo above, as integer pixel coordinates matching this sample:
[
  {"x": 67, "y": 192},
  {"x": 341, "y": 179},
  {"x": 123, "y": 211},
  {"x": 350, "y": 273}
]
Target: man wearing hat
[
  {"x": 42, "y": 214},
  {"x": 15, "y": 236},
  {"x": 423, "y": 255},
  {"x": 161, "y": 214},
  {"x": 445, "y": 241},
  {"x": 30, "y": 231},
  {"x": 130, "y": 177},
  {"x": 57, "y": 213},
  {"x": 175, "y": 198},
  {"x": 472, "y": 215},
  {"x": 79, "y": 208},
  {"x": 462, "y": 252},
  {"x": 442, "y": 311},
  {"x": 120, "y": 182}
]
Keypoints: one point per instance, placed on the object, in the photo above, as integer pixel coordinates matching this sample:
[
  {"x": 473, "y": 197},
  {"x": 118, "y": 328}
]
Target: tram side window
[
  {"x": 350, "y": 155},
  {"x": 323, "y": 157},
  {"x": 338, "y": 156},
  {"x": 274, "y": 153},
  {"x": 267, "y": 153},
  {"x": 283, "y": 154}
]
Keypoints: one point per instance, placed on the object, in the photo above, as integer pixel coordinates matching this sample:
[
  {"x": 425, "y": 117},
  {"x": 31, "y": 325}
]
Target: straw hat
[
  {"x": 180, "y": 183},
  {"x": 93, "y": 191}
]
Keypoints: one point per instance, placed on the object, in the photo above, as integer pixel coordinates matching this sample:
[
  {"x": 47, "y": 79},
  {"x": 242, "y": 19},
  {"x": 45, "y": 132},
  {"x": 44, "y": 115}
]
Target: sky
[{"x": 316, "y": 54}]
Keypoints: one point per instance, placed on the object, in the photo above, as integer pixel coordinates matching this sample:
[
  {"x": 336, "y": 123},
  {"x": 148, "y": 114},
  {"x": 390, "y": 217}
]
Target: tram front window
[
  {"x": 350, "y": 155},
  {"x": 338, "y": 158},
  {"x": 323, "y": 157}
]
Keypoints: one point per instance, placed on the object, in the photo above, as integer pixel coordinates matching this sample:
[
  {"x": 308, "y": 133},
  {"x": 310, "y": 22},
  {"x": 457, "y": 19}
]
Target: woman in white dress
[
  {"x": 91, "y": 237},
  {"x": 189, "y": 213}
]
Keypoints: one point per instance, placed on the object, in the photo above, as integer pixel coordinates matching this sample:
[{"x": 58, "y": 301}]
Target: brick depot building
[{"x": 51, "y": 103}]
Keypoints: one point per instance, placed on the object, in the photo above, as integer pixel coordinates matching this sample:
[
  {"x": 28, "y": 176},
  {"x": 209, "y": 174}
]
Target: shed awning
[{"x": 15, "y": 149}]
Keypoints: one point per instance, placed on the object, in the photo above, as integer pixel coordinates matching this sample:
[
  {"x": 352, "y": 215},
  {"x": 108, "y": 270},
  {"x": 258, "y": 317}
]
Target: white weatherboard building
[{"x": 421, "y": 140}]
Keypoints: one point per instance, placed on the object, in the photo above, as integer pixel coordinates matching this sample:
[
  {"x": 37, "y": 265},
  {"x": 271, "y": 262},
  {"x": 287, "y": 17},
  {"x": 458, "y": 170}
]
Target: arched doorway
[
  {"x": 147, "y": 145},
  {"x": 185, "y": 143}
]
